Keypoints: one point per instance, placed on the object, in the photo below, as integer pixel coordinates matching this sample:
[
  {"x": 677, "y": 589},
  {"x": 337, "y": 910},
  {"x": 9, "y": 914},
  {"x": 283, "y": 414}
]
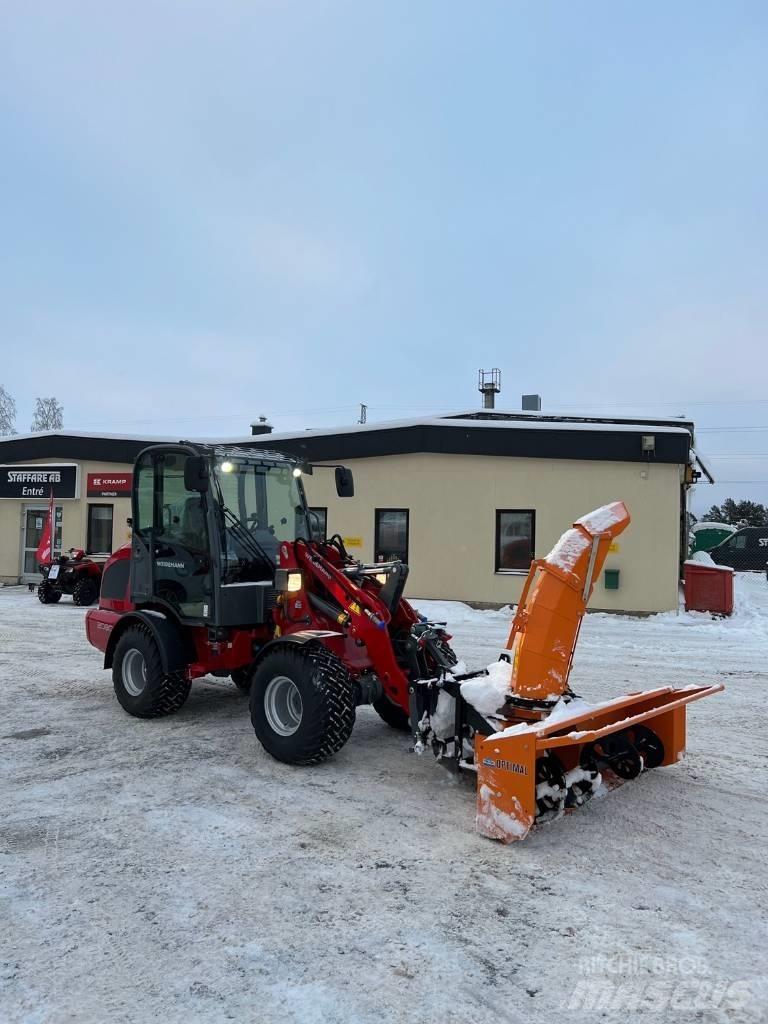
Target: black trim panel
[
  {"x": 599, "y": 445},
  {"x": 541, "y": 443}
]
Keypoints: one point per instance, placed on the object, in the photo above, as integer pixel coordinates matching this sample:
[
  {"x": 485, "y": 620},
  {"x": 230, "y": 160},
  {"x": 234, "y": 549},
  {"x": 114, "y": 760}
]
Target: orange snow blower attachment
[
  {"x": 551, "y": 750},
  {"x": 538, "y": 749}
]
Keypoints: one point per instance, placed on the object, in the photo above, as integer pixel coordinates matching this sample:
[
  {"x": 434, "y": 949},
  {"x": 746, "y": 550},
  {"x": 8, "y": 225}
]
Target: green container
[
  {"x": 708, "y": 535},
  {"x": 611, "y": 579}
]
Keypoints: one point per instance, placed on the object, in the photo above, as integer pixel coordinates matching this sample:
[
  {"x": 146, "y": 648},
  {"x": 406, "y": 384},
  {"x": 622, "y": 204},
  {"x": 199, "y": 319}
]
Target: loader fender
[
  {"x": 174, "y": 652},
  {"x": 328, "y": 638}
]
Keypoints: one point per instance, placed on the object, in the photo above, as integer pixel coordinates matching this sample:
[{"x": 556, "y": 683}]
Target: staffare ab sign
[{"x": 25, "y": 482}]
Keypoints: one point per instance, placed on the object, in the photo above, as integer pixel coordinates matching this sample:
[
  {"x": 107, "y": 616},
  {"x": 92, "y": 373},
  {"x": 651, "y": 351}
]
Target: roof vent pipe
[
  {"x": 489, "y": 385},
  {"x": 262, "y": 426}
]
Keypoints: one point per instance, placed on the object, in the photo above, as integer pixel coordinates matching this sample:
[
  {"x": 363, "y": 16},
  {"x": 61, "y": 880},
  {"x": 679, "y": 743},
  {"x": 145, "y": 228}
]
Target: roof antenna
[{"x": 363, "y": 413}]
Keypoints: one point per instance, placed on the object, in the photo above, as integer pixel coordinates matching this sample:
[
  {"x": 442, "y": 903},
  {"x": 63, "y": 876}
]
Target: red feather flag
[{"x": 45, "y": 547}]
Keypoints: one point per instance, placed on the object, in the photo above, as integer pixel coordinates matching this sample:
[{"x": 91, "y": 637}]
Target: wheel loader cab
[{"x": 207, "y": 525}]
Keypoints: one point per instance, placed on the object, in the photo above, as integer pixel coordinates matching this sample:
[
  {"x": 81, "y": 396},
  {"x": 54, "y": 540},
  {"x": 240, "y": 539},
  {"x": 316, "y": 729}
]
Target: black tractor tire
[
  {"x": 393, "y": 715},
  {"x": 302, "y": 704},
  {"x": 85, "y": 593},
  {"x": 141, "y": 686},
  {"x": 46, "y": 594},
  {"x": 242, "y": 679}
]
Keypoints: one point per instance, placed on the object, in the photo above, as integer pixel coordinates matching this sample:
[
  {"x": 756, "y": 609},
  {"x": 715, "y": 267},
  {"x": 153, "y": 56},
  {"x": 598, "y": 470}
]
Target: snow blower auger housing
[{"x": 538, "y": 749}]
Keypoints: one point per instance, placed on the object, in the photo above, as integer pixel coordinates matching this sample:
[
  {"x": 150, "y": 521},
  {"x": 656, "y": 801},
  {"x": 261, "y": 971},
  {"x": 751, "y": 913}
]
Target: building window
[
  {"x": 318, "y": 522},
  {"x": 515, "y": 539},
  {"x": 391, "y": 535},
  {"x": 100, "y": 529}
]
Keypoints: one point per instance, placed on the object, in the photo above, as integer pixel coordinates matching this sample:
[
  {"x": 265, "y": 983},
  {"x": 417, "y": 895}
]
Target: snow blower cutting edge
[{"x": 537, "y": 748}]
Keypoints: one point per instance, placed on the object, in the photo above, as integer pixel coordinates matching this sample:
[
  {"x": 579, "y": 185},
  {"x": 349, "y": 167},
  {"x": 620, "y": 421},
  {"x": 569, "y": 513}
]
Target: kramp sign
[
  {"x": 36, "y": 482},
  {"x": 109, "y": 485}
]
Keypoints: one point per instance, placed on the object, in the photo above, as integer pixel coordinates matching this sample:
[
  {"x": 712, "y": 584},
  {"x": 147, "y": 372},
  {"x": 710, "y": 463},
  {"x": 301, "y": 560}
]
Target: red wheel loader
[{"x": 223, "y": 577}]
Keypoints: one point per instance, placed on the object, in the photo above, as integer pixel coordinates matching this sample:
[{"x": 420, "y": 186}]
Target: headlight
[
  {"x": 296, "y": 471},
  {"x": 381, "y": 577},
  {"x": 294, "y": 582},
  {"x": 227, "y": 466}
]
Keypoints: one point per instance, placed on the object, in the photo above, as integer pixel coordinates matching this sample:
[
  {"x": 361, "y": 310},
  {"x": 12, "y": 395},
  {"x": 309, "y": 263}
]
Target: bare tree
[
  {"x": 7, "y": 412},
  {"x": 49, "y": 415}
]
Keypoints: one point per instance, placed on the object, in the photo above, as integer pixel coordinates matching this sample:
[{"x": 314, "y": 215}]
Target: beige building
[{"x": 467, "y": 500}]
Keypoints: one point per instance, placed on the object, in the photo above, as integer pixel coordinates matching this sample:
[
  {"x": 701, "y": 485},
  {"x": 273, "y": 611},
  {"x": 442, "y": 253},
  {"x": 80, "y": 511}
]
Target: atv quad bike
[
  {"x": 70, "y": 573},
  {"x": 223, "y": 577}
]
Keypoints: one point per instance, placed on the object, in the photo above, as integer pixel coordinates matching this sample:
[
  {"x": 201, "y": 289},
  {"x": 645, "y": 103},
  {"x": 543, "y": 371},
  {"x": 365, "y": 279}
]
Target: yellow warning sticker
[{"x": 353, "y": 542}]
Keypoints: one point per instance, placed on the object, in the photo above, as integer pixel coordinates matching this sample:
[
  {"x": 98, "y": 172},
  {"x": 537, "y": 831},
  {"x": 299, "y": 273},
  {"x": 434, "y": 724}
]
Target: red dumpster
[{"x": 708, "y": 588}]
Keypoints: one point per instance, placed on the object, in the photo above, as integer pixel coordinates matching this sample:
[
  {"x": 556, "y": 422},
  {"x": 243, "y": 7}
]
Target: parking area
[{"x": 170, "y": 869}]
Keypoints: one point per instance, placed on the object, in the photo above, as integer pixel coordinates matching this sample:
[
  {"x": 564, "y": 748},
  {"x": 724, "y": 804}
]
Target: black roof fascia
[
  {"x": 70, "y": 446},
  {"x": 598, "y": 445}
]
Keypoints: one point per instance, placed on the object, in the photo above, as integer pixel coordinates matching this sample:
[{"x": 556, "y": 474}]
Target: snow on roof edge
[{"x": 450, "y": 420}]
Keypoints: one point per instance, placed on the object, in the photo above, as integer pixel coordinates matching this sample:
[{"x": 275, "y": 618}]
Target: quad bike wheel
[
  {"x": 85, "y": 592},
  {"x": 46, "y": 594},
  {"x": 302, "y": 704},
  {"x": 142, "y": 687}
]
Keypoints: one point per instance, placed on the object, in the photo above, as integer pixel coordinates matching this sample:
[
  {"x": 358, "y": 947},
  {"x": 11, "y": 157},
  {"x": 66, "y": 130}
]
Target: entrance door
[{"x": 33, "y": 519}]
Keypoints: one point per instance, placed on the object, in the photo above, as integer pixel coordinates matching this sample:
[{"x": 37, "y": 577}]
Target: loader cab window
[
  {"x": 318, "y": 521},
  {"x": 171, "y": 522},
  {"x": 263, "y": 505}
]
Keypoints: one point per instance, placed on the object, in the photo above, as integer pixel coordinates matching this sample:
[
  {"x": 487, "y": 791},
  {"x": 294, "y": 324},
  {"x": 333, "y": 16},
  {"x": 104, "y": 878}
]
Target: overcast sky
[{"x": 211, "y": 211}]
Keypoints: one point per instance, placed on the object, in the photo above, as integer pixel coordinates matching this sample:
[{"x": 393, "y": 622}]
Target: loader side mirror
[
  {"x": 195, "y": 474},
  {"x": 345, "y": 484}
]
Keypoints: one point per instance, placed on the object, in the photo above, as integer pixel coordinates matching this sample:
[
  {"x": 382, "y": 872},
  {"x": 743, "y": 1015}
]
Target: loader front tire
[
  {"x": 302, "y": 704},
  {"x": 141, "y": 686},
  {"x": 393, "y": 715}
]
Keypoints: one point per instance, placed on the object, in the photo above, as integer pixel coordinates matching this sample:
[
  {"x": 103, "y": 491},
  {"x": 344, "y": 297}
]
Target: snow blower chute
[{"x": 537, "y": 748}]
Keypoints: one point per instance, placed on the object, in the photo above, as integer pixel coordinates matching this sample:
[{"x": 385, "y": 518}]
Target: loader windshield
[{"x": 261, "y": 506}]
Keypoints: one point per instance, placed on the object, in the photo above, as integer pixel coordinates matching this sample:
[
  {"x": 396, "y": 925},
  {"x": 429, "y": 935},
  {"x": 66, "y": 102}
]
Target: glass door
[{"x": 32, "y": 525}]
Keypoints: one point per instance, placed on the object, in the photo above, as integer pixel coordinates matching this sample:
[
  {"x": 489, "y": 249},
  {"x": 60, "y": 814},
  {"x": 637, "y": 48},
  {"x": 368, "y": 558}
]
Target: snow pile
[
  {"x": 604, "y": 518},
  {"x": 704, "y": 558},
  {"x": 444, "y": 717},
  {"x": 486, "y": 693},
  {"x": 565, "y": 554},
  {"x": 713, "y": 526}
]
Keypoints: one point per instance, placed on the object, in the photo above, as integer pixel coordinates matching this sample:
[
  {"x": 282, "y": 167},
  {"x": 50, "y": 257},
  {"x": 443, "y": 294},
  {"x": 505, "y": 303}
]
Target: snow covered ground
[{"x": 171, "y": 870}]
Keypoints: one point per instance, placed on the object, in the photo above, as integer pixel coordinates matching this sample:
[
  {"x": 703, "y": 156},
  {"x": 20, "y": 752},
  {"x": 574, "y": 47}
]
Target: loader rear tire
[
  {"x": 141, "y": 686},
  {"x": 393, "y": 715},
  {"x": 302, "y": 704}
]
